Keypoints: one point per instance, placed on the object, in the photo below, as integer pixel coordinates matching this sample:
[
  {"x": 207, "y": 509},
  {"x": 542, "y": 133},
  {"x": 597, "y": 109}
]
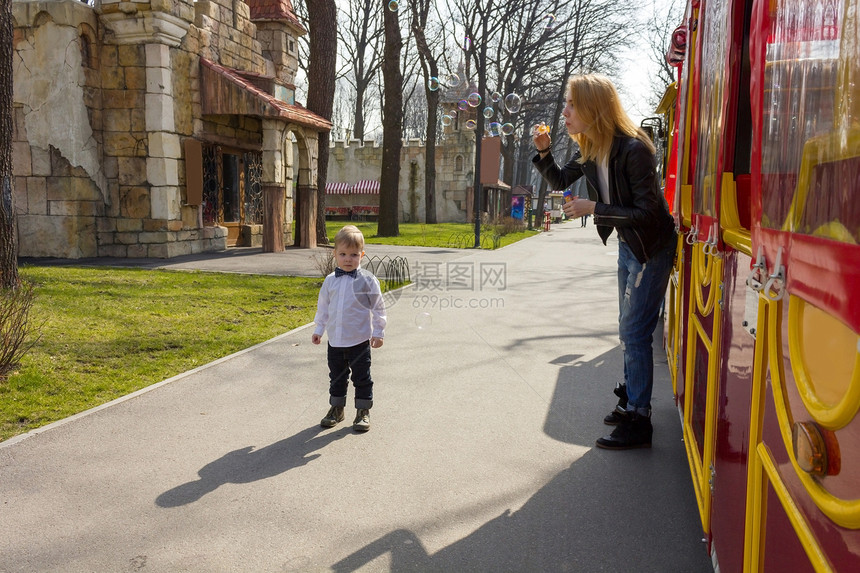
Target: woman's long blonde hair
[{"x": 597, "y": 103}]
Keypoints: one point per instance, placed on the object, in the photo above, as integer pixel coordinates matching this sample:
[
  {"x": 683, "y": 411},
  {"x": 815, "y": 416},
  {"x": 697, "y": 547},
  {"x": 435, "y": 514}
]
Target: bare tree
[
  {"x": 539, "y": 52},
  {"x": 322, "y": 16},
  {"x": 360, "y": 42},
  {"x": 9, "y": 278},
  {"x": 481, "y": 21},
  {"x": 413, "y": 95},
  {"x": 661, "y": 24},
  {"x": 392, "y": 126},
  {"x": 532, "y": 47},
  {"x": 430, "y": 72}
]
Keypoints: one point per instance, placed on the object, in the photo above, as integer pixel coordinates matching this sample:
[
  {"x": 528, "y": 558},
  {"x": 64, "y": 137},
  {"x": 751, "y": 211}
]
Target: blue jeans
[
  {"x": 641, "y": 289},
  {"x": 342, "y": 360}
]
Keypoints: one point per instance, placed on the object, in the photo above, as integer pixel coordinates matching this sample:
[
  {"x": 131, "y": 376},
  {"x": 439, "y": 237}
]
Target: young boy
[{"x": 350, "y": 309}]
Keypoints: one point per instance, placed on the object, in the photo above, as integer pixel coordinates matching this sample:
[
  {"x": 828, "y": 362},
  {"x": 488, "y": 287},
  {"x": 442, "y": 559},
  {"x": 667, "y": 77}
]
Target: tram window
[
  {"x": 712, "y": 72},
  {"x": 230, "y": 187},
  {"x": 801, "y": 90},
  {"x": 743, "y": 123},
  {"x": 741, "y": 162},
  {"x": 832, "y": 209}
]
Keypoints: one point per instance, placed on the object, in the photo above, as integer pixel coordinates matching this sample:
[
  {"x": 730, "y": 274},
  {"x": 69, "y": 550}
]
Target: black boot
[
  {"x": 634, "y": 432},
  {"x": 619, "y": 414}
]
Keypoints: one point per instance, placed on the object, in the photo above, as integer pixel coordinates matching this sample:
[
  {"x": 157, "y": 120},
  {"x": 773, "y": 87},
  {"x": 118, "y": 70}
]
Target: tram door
[
  {"x": 803, "y": 496},
  {"x": 708, "y": 77}
]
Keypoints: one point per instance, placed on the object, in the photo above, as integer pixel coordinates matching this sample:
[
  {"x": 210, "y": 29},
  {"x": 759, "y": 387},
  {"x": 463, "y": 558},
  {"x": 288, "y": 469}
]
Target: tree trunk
[
  {"x": 322, "y": 14},
  {"x": 358, "y": 122},
  {"x": 8, "y": 235},
  {"x": 430, "y": 159},
  {"x": 431, "y": 70},
  {"x": 392, "y": 127}
]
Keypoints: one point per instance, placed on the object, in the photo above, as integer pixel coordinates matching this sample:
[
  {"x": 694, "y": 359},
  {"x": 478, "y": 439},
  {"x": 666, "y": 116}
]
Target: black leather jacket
[{"x": 637, "y": 209}]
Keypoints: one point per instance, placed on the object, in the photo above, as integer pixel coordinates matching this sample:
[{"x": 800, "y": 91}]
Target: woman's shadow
[{"x": 246, "y": 465}]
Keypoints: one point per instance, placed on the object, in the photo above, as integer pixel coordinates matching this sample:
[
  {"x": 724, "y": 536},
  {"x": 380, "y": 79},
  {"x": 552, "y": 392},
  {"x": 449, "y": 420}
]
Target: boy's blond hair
[{"x": 350, "y": 236}]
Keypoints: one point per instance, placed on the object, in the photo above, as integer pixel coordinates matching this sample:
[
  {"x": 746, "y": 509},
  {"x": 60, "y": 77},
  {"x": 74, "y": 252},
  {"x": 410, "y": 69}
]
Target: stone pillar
[
  {"x": 162, "y": 162},
  {"x": 306, "y": 202},
  {"x": 274, "y": 193},
  {"x": 273, "y": 218},
  {"x": 306, "y": 213}
]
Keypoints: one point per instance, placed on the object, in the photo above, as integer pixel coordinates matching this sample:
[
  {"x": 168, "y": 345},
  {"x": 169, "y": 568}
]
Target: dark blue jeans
[
  {"x": 342, "y": 361},
  {"x": 641, "y": 289}
]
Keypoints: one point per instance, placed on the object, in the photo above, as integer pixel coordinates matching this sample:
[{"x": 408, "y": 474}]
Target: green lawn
[{"x": 107, "y": 332}]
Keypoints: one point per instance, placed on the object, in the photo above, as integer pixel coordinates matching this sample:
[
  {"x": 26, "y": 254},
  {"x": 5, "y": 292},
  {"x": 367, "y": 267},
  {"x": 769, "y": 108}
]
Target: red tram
[{"x": 763, "y": 310}]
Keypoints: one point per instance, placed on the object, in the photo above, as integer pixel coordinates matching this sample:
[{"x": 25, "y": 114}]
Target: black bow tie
[{"x": 339, "y": 272}]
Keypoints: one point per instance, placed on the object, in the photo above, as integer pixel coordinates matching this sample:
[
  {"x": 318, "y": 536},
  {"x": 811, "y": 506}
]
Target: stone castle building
[
  {"x": 354, "y": 167},
  {"x": 156, "y": 128}
]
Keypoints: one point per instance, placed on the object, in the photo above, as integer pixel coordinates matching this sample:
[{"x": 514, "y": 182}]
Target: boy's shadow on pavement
[{"x": 246, "y": 465}]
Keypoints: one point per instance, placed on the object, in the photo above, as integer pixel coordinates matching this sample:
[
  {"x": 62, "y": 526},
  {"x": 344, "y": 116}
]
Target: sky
[{"x": 638, "y": 66}]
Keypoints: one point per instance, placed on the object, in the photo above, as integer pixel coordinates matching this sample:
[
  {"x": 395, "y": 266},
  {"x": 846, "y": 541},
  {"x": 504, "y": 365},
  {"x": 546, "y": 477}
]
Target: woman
[{"x": 617, "y": 160}]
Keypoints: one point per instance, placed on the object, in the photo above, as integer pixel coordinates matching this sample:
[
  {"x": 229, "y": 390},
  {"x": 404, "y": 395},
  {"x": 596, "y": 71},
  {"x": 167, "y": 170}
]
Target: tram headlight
[{"x": 816, "y": 450}]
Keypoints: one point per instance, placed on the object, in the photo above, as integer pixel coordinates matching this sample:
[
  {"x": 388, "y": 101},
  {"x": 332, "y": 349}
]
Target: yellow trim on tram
[
  {"x": 826, "y": 148},
  {"x": 703, "y": 274},
  {"x": 674, "y": 317},
  {"x": 843, "y": 512},
  {"x": 734, "y": 233},
  {"x": 807, "y": 538},
  {"x": 762, "y": 470},
  {"x": 838, "y": 413},
  {"x": 686, "y": 217}
]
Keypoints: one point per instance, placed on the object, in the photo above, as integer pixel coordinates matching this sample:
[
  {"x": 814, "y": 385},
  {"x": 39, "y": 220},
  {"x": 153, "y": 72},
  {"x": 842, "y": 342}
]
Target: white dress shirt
[{"x": 350, "y": 310}]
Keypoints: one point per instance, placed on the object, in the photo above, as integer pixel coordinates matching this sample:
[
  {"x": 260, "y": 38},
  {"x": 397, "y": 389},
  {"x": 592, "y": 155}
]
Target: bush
[
  {"x": 324, "y": 262},
  {"x": 17, "y": 332},
  {"x": 505, "y": 226}
]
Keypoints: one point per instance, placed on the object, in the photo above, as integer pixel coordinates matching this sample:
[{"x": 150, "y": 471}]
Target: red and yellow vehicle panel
[{"x": 763, "y": 309}]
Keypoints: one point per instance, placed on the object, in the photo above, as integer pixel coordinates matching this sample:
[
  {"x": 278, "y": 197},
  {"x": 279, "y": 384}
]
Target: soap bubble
[
  {"x": 471, "y": 124},
  {"x": 463, "y": 105},
  {"x": 513, "y": 103},
  {"x": 550, "y": 21},
  {"x": 393, "y": 5},
  {"x": 452, "y": 80},
  {"x": 489, "y": 112},
  {"x": 507, "y": 128},
  {"x": 496, "y": 96},
  {"x": 474, "y": 99},
  {"x": 433, "y": 84},
  {"x": 467, "y": 43},
  {"x": 446, "y": 120},
  {"x": 494, "y": 129},
  {"x": 423, "y": 320}
]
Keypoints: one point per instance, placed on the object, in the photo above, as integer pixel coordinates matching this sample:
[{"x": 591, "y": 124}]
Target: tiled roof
[
  {"x": 226, "y": 92},
  {"x": 273, "y": 10}
]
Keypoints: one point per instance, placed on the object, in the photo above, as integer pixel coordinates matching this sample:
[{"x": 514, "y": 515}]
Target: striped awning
[
  {"x": 366, "y": 187},
  {"x": 338, "y": 188}
]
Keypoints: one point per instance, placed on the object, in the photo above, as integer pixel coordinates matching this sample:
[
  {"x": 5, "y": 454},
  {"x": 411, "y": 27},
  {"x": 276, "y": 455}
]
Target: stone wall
[
  {"x": 352, "y": 161},
  {"x": 103, "y": 99}
]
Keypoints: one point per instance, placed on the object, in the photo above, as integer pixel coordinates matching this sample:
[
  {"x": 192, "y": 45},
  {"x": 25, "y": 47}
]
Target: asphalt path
[{"x": 490, "y": 390}]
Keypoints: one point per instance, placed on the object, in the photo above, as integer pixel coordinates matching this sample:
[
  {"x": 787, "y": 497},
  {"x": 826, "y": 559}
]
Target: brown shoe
[
  {"x": 362, "y": 420},
  {"x": 334, "y": 416}
]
